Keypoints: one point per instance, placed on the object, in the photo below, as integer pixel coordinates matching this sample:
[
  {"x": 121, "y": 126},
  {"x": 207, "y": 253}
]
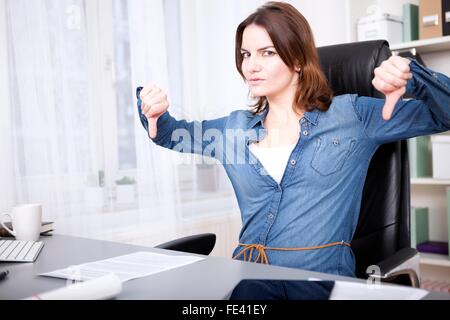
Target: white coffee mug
[{"x": 26, "y": 222}]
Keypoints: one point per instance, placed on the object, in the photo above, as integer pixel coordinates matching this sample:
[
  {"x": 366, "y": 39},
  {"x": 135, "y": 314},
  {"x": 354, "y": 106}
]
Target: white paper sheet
[{"x": 126, "y": 267}]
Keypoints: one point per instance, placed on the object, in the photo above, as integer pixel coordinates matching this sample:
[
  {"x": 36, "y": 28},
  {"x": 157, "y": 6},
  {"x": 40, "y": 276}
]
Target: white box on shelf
[
  {"x": 440, "y": 145},
  {"x": 380, "y": 26}
]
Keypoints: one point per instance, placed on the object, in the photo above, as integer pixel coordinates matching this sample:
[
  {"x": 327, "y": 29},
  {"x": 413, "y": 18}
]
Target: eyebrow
[{"x": 242, "y": 49}]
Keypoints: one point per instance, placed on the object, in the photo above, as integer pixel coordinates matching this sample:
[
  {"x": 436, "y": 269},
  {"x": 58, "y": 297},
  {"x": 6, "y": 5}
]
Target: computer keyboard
[{"x": 19, "y": 251}]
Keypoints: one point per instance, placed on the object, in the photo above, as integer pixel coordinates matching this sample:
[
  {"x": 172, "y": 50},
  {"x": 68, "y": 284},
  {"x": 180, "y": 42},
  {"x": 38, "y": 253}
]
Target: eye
[
  {"x": 269, "y": 53},
  {"x": 245, "y": 54}
]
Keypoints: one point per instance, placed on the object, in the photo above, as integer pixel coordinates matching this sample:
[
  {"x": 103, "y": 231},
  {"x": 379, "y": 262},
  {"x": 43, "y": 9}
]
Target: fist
[
  {"x": 390, "y": 79},
  {"x": 154, "y": 104}
]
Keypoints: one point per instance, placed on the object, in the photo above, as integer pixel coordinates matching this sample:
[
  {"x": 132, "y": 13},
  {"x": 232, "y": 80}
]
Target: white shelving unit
[
  {"x": 425, "y": 192},
  {"x": 424, "y": 46},
  {"x": 434, "y": 259},
  {"x": 429, "y": 182},
  {"x": 430, "y": 192}
]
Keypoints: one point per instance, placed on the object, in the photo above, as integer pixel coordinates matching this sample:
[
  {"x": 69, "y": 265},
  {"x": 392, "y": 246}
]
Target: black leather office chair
[
  {"x": 382, "y": 238},
  {"x": 199, "y": 243}
]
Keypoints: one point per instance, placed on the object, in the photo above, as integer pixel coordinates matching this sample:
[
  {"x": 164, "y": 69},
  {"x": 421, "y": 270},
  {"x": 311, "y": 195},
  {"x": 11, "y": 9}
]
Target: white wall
[
  {"x": 394, "y": 7},
  {"x": 328, "y": 19}
]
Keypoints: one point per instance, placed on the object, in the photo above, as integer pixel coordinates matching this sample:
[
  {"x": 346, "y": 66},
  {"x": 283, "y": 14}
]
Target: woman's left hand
[{"x": 390, "y": 79}]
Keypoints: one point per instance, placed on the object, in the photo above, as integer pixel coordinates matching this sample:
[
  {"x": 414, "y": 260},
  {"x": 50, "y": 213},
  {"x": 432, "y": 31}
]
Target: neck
[
  {"x": 281, "y": 108},
  {"x": 280, "y": 114}
]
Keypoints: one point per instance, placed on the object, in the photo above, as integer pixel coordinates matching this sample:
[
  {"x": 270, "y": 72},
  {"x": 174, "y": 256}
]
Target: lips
[{"x": 255, "y": 81}]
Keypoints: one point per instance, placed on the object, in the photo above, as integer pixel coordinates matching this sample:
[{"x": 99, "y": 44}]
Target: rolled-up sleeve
[
  {"x": 427, "y": 113},
  {"x": 183, "y": 136}
]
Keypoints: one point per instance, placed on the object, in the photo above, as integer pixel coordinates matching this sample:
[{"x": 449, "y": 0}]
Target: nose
[{"x": 253, "y": 65}]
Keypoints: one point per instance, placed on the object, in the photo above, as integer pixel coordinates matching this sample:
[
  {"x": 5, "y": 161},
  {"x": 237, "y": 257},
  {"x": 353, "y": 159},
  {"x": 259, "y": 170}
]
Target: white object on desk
[
  {"x": 102, "y": 288},
  {"x": 126, "y": 267},
  {"x": 26, "y": 221},
  {"x": 19, "y": 251},
  {"x": 345, "y": 290}
]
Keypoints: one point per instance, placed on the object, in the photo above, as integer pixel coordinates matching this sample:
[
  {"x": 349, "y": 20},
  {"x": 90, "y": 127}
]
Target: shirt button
[
  {"x": 305, "y": 133},
  {"x": 293, "y": 162},
  {"x": 270, "y": 216},
  {"x": 303, "y": 120}
]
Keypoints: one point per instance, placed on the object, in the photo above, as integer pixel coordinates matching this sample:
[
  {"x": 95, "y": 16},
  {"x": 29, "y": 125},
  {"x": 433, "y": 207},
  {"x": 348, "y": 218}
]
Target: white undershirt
[{"x": 273, "y": 159}]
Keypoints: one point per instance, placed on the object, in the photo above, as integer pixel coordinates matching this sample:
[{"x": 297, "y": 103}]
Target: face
[{"x": 266, "y": 73}]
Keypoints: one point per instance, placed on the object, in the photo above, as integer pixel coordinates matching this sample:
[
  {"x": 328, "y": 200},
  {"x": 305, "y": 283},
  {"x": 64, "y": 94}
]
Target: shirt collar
[
  {"x": 311, "y": 116},
  {"x": 257, "y": 118}
]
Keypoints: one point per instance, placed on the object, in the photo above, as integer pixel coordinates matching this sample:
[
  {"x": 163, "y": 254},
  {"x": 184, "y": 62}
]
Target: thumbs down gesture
[
  {"x": 154, "y": 104},
  {"x": 390, "y": 79}
]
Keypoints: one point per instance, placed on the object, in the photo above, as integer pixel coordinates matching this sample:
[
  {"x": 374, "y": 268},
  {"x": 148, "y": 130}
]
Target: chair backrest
[{"x": 383, "y": 226}]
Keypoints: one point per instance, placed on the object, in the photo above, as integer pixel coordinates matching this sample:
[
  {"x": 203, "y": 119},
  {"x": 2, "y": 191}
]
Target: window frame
[{"x": 100, "y": 35}]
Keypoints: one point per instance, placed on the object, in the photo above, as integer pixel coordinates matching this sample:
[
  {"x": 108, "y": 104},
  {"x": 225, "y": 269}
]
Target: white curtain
[
  {"x": 70, "y": 130},
  {"x": 62, "y": 73},
  {"x": 7, "y": 183},
  {"x": 50, "y": 117}
]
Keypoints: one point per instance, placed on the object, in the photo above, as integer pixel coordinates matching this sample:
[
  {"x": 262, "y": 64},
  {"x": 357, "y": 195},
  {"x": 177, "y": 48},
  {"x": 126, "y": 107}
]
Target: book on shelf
[
  {"x": 446, "y": 18},
  {"x": 430, "y": 19},
  {"x": 448, "y": 216},
  {"x": 438, "y": 247},
  {"x": 419, "y": 162},
  {"x": 46, "y": 228},
  {"x": 419, "y": 226},
  {"x": 410, "y": 22}
]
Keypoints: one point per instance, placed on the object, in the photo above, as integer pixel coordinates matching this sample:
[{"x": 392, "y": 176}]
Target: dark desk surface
[{"x": 211, "y": 279}]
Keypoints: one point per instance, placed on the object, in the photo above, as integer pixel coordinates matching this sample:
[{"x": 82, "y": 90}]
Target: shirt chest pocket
[{"x": 331, "y": 153}]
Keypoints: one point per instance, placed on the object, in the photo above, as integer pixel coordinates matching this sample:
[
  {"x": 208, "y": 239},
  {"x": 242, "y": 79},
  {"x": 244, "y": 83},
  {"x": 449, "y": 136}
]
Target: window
[{"x": 123, "y": 87}]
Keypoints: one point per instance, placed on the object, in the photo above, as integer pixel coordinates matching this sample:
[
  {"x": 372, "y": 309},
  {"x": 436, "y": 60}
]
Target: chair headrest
[{"x": 349, "y": 67}]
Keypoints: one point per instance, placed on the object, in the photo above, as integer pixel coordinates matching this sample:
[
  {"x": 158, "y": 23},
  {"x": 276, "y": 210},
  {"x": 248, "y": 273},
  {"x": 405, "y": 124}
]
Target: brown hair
[{"x": 294, "y": 42}]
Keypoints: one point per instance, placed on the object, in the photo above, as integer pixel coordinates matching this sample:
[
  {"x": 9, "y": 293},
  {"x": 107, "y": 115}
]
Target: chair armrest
[
  {"x": 199, "y": 244},
  {"x": 403, "y": 262}
]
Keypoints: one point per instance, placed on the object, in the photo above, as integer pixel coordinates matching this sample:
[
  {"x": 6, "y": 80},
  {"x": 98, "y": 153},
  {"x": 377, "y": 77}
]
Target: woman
[{"x": 300, "y": 177}]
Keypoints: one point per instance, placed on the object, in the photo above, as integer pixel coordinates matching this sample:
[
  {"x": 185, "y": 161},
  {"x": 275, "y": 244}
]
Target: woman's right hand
[{"x": 154, "y": 104}]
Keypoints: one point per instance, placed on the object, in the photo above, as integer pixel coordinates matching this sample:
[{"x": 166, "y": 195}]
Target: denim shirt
[{"x": 318, "y": 199}]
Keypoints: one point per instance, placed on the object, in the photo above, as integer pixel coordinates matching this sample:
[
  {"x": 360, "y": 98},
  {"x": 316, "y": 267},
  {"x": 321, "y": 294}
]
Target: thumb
[
  {"x": 391, "y": 100},
  {"x": 152, "y": 128}
]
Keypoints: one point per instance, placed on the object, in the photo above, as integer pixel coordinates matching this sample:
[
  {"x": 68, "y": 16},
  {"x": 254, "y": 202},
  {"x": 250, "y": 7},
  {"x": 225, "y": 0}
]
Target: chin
[{"x": 258, "y": 93}]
